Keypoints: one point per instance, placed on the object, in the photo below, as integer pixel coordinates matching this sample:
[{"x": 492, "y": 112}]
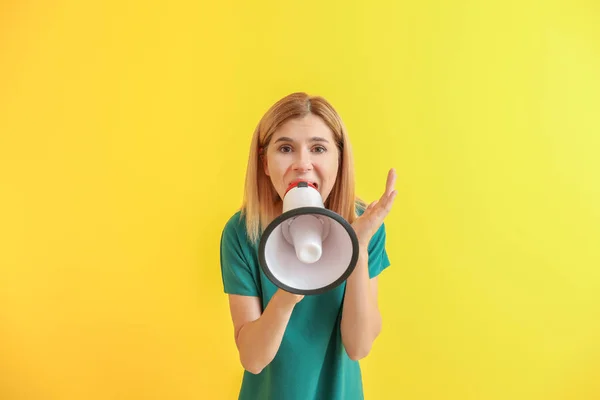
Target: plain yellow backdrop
[{"x": 124, "y": 133}]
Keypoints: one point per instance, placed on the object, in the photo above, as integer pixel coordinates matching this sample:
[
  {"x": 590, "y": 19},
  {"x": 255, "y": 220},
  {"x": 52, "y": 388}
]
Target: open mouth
[{"x": 311, "y": 183}]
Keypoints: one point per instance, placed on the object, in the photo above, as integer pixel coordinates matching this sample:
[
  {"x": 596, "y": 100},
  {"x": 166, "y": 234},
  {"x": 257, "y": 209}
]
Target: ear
[{"x": 265, "y": 163}]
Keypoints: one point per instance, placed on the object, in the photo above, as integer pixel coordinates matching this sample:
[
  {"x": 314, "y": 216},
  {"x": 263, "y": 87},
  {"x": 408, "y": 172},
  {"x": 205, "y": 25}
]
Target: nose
[{"x": 302, "y": 162}]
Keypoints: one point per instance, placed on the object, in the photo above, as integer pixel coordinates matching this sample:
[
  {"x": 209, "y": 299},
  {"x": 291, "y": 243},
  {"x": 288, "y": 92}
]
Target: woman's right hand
[{"x": 288, "y": 298}]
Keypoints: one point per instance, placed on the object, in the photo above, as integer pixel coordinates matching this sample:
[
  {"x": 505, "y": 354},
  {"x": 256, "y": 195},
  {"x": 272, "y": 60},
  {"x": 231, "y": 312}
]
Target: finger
[
  {"x": 389, "y": 184},
  {"x": 390, "y": 200},
  {"x": 373, "y": 204},
  {"x": 391, "y": 181},
  {"x": 385, "y": 206}
]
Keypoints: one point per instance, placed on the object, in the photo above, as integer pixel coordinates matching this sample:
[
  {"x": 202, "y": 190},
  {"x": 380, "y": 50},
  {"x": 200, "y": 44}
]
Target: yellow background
[{"x": 124, "y": 133}]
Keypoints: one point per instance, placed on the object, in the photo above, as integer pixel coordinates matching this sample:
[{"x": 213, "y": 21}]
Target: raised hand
[{"x": 367, "y": 224}]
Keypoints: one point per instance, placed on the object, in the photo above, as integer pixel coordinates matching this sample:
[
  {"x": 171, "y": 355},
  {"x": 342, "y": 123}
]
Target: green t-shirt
[{"x": 311, "y": 363}]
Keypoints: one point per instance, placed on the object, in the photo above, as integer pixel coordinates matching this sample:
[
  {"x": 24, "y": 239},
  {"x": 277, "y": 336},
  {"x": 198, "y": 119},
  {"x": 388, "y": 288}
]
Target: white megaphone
[{"x": 308, "y": 249}]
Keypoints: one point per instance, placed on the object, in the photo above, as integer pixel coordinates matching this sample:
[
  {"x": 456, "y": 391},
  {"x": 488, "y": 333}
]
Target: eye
[{"x": 285, "y": 148}]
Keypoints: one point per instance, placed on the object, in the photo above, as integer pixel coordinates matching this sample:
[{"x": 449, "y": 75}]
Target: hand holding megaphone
[{"x": 288, "y": 298}]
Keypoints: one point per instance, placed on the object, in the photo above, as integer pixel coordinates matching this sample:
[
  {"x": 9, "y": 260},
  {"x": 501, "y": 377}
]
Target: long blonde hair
[{"x": 261, "y": 202}]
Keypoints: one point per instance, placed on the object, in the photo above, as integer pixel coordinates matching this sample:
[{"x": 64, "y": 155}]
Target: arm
[
  {"x": 361, "y": 319},
  {"x": 257, "y": 336}
]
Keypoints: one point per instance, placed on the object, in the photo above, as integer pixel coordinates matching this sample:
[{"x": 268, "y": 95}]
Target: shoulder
[
  {"x": 235, "y": 222},
  {"x": 238, "y": 265},
  {"x": 234, "y": 230}
]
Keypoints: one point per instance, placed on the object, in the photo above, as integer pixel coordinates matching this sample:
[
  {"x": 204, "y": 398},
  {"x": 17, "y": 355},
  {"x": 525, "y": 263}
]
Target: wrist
[
  {"x": 362, "y": 263},
  {"x": 284, "y": 301},
  {"x": 363, "y": 251}
]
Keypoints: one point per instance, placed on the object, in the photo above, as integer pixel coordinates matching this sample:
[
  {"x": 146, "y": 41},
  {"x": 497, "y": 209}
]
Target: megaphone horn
[{"x": 308, "y": 249}]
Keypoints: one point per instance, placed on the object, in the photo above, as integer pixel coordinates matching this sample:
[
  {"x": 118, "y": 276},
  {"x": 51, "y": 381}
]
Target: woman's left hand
[{"x": 369, "y": 222}]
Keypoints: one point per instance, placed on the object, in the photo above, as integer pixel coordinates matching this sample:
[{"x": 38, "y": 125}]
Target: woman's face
[{"x": 302, "y": 148}]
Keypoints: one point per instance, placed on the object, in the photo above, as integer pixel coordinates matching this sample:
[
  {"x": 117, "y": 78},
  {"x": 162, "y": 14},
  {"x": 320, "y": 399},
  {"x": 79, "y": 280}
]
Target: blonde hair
[{"x": 261, "y": 202}]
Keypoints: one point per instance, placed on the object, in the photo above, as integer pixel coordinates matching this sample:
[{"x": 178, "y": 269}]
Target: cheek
[
  {"x": 332, "y": 169},
  {"x": 272, "y": 163},
  {"x": 277, "y": 166}
]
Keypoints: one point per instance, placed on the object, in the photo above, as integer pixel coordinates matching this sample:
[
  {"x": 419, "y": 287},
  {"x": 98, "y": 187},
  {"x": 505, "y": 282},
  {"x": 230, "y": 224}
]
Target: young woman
[{"x": 296, "y": 347}]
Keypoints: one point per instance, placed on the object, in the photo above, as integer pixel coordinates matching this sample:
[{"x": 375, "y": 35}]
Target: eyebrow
[{"x": 313, "y": 139}]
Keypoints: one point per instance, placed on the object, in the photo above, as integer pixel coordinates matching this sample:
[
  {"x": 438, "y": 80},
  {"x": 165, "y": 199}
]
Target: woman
[{"x": 294, "y": 347}]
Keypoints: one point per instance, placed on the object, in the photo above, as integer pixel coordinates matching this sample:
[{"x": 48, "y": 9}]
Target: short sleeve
[
  {"x": 378, "y": 258},
  {"x": 236, "y": 271}
]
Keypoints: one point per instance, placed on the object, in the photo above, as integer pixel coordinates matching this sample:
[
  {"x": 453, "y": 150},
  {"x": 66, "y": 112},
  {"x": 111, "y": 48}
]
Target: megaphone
[{"x": 308, "y": 249}]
